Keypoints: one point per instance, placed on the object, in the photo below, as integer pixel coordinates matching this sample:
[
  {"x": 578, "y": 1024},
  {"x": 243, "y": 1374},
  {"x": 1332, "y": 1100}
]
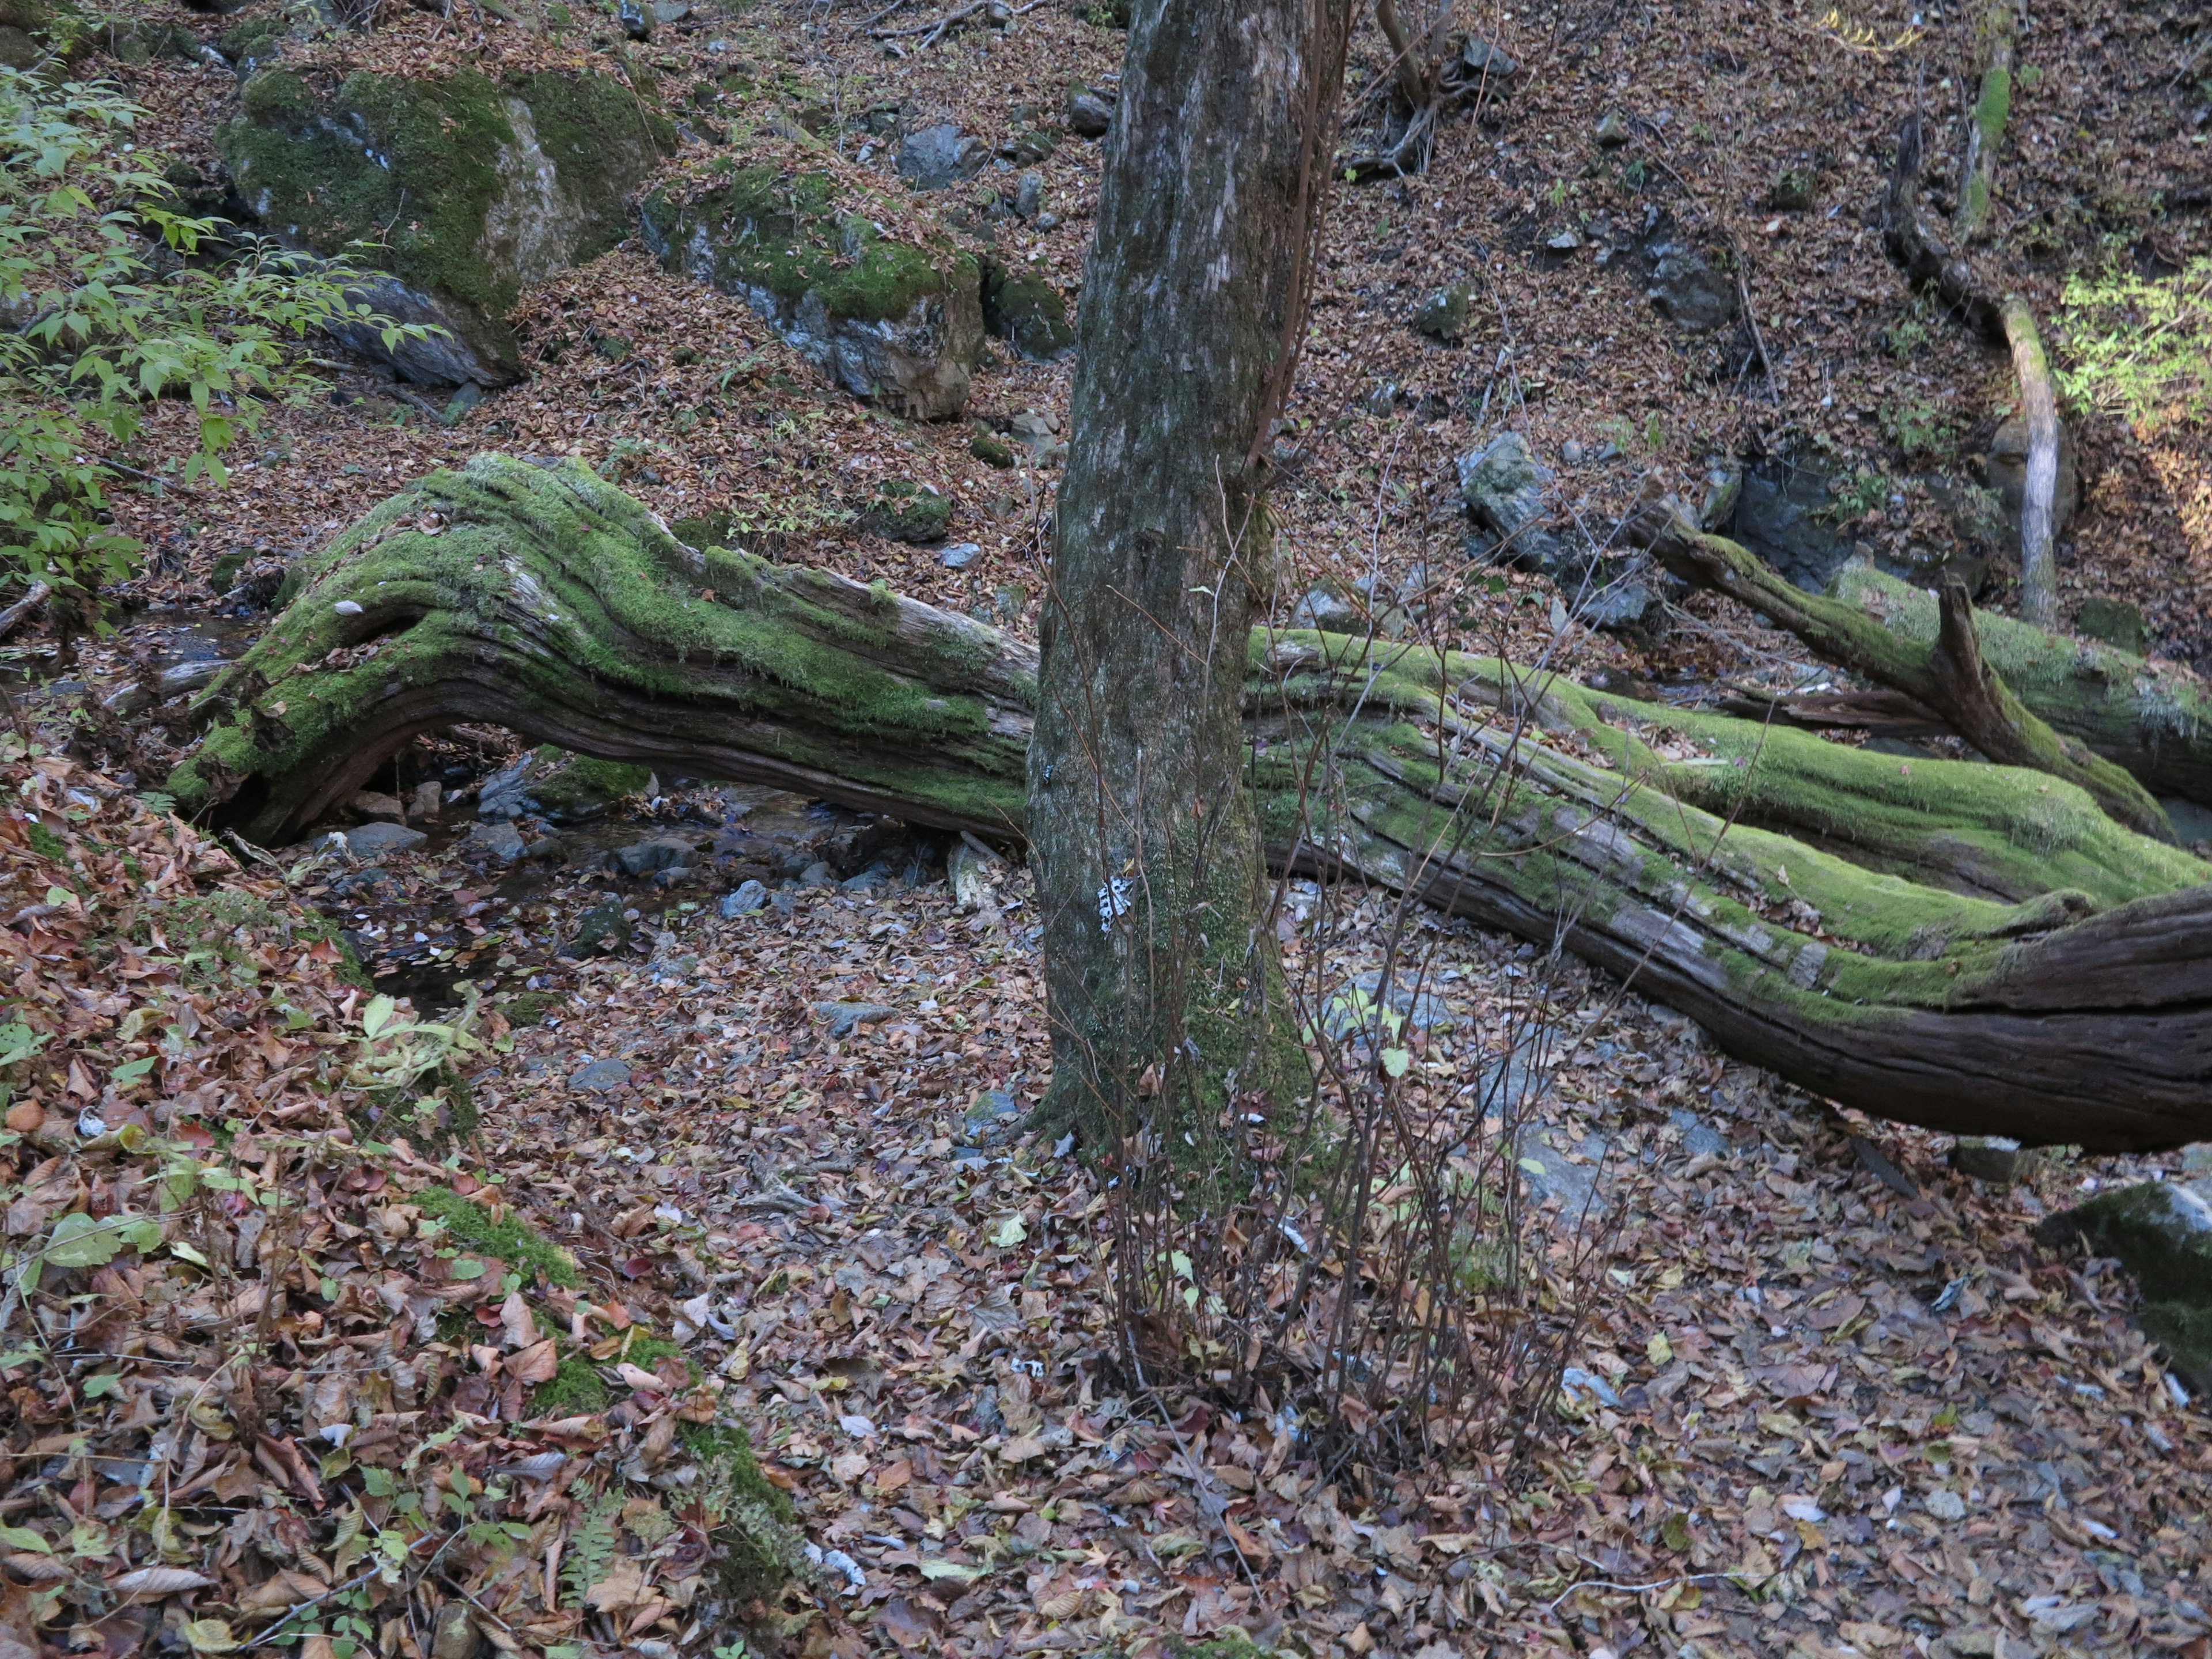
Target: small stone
[
  {"x": 1566, "y": 242},
  {"x": 986, "y": 447},
  {"x": 461, "y": 403},
  {"x": 991, "y": 1115},
  {"x": 1088, "y": 116},
  {"x": 636, "y": 22},
  {"x": 1442, "y": 313},
  {"x": 844, "y": 1016},
  {"x": 1994, "y": 1158},
  {"x": 374, "y": 841},
  {"x": 1483, "y": 58},
  {"x": 602, "y": 927},
  {"x": 497, "y": 839},
  {"x": 959, "y": 556},
  {"x": 1612, "y": 131},
  {"x": 1029, "y": 197},
  {"x": 818, "y": 874},
  {"x": 671, "y": 11},
  {"x": 427, "y": 798},
  {"x": 869, "y": 880},
  {"x": 348, "y": 607},
  {"x": 1945, "y": 1505},
  {"x": 375, "y": 804},
  {"x": 934, "y": 157},
  {"x": 643, "y": 858},
  {"x": 750, "y": 896},
  {"x": 601, "y": 1076},
  {"x": 1572, "y": 452}
]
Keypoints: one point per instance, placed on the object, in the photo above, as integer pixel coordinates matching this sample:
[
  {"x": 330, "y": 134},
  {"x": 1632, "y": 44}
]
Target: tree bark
[
  {"x": 2039, "y": 408},
  {"x": 1159, "y": 971},
  {"x": 1978, "y": 162},
  {"x": 1974, "y": 948},
  {"x": 1978, "y": 705}
]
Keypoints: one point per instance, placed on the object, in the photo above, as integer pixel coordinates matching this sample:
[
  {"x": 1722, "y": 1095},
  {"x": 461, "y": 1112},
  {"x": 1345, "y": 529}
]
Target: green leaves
[{"x": 78, "y": 1241}]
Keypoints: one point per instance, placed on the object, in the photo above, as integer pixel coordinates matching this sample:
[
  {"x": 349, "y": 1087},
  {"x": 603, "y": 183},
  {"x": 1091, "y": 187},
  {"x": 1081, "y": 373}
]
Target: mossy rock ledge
[
  {"x": 898, "y": 322},
  {"x": 474, "y": 189},
  {"x": 2161, "y": 1231}
]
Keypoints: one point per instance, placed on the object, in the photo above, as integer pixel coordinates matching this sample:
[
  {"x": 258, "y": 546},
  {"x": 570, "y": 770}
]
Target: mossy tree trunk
[
  {"x": 1976, "y": 948},
  {"x": 1160, "y": 970}
]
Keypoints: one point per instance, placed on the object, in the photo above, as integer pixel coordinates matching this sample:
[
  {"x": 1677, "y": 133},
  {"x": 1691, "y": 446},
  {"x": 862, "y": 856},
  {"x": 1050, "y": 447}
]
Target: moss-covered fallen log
[{"x": 1970, "y": 947}]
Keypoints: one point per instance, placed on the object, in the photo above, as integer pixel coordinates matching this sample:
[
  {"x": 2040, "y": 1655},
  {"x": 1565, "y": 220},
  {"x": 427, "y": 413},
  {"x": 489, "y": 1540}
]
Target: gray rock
[
  {"x": 844, "y": 1016},
  {"x": 959, "y": 556},
  {"x": 750, "y": 896},
  {"x": 1503, "y": 485},
  {"x": 642, "y": 858},
  {"x": 1723, "y": 487},
  {"x": 1029, "y": 197},
  {"x": 1323, "y": 609},
  {"x": 934, "y": 157},
  {"x": 1482, "y": 58},
  {"x": 1345, "y": 1014},
  {"x": 1688, "y": 291},
  {"x": 671, "y": 11},
  {"x": 329, "y": 171},
  {"x": 1699, "y": 1138},
  {"x": 374, "y": 841},
  {"x": 506, "y": 793},
  {"x": 1026, "y": 311},
  {"x": 1612, "y": 131},
  {"x": 601, "y": 1076},
  {"x": 818, "y": 874},
  {"x": 497, "y": 839},
  {"x": 1088, "y": 116},
  {"x": 870, "y": 880},
  {"x": 1994, "y": 1158},
  {"x": 1442, "y": 313},
  {"x": 636, "y": 21},
  {"x": 992, "y": 1116},
  {"x": 1783, "y": 513},
  {"x": 2006, "y": 468},
  {"x": 2161, "y": 1231}
]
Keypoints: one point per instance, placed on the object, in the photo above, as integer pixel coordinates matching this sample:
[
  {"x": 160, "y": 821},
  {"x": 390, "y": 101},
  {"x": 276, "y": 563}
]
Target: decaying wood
[
  {"x": 1979, "y": 707},
  {"x": 1972, "y": 947},
  {"x": 2039, "y": 408},
  {"x": 1985, "y": 123}
]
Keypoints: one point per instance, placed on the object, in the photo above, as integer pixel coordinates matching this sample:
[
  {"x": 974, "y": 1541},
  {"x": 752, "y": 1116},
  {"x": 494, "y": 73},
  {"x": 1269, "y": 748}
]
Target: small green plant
[
  {"x": 1556, "y": 195},
  {"x": 2140, "y": 348},
  {"x": 1907, "y": 336},
  {"x": 113, "y": 306},
  {"x": 1916, "y": 428},
  {"x": 1859, "y": 494}
]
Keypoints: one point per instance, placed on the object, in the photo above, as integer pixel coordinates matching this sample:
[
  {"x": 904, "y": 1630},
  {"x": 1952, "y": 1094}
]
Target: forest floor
[{"x": 1829, "y": 1396}]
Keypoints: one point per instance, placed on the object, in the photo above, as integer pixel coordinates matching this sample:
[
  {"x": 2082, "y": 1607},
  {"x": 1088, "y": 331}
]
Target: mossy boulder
[
  {"x": 1026, "y": 311},
  {"x": 895, "y": 320},
  {"x": 552, "y": 783},
  {"x": 2161, "y": 1231},
  {"x": 475, "y": 190}
]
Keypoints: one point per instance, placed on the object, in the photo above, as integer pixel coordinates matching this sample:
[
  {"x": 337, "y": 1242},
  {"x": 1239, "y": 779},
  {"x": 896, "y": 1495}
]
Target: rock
[
  {"x": 1503, "y": 485},
  {"x": 642, "y": 858},
  {"x": 454, "y": 1634},
  {"x": 934, "y": 157},
  {"x": 2161, "y": 1231},
  {"x": 2116, "y": 622},
  {"x": 1324, "y": 610},
  {"x": 1484, "y": 59},
  {"x": 17, "y": 50},
  {"x": 844, "y": 1016},
  {"x": 2005, "y": 467},
  {"x": 1723, "y": 485},
  {"x": 1088, "y": 116},
  {"x": 375, "y": 804},
  {"x": 601, "y": 928},
  {"x": 670, "y": 11},
  {"x": 374, "y": 841},
  {"x": 1994, "y": 1158},
  {"x": 969, "y": 874},
  {"x": 895, "y": 320},
  {"x": 497, "y": 839},
  {"x": 903, "y": 510},
  {"x": 1784, "y": 513},
  {"x": 986, "y": 447},
  {"x": 1351, "y": 1012},
  {"x": 1688, "y": 290},
  {"x": 471, "y": 190},
  {"x": 750, "y": 896},
  {"x": 1566, "y": 242},
  {"x": 601, "y": 1076},
  {"x": 960, "y": 556},
  {"x": 553, "y": 783},
  {"x": 458, "y": 405},
  {"x": 818, "y": 874},
  {"x": 1029, "y": 197},
  {"x": 1612, "y": 131},
  {"x": 1027, "y": 312},
  {"x": 990, "y": 1115},
  {"x": 636, "y": 22},
  {"x": 1442, "y": 313},
  {"x": 428, "y": 800},
  {"x": 1699, "y": 1138}
]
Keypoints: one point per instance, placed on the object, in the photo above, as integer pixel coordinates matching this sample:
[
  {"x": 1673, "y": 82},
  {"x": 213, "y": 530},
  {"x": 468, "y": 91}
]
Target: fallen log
[{"x": 1973, "y": 948}]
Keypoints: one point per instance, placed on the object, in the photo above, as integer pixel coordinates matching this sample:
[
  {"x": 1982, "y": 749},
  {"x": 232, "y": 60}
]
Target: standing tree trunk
[{"x": 1160, "y": 973}]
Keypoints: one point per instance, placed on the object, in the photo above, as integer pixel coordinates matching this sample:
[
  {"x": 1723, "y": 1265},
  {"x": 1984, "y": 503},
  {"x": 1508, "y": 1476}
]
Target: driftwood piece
[{"x": 1976, "y": 948}]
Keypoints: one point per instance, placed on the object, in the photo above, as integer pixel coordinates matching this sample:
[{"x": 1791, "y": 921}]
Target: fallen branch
[
  {"x": 1985, "y": 127},
  {"x": 1976, "y": 703},
  {"x": 12, "y": 617},
  {"x": 2038, "y": 570},
  {"x": 1975, "y": 948}
]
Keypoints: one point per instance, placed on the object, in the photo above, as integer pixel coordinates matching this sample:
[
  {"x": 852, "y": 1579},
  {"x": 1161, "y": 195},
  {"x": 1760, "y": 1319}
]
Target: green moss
[
  {"x": 905, "y": 512},
  {"x": 577, "y": 785},
  {"x": 725, "y": 1451},
  {"x": 512, "y": 1241},
  {"x": 45, "y": 843},
  {"x": 793, "y": 235},
  {"x": 529, "y": 1007},
  {"x": 988, "y": 449},
  {"x": 1026, "y": 310},
  {"x": 574, "y": 1389}
]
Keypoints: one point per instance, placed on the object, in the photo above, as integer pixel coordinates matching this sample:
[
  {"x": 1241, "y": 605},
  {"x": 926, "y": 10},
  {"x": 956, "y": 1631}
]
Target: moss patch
[
  {"x": 905, "y": 512},
  {"x": 1026, "y": 311},
  {"x": 512, "y": 1240},
  {"x": 574, "y": 1389}
]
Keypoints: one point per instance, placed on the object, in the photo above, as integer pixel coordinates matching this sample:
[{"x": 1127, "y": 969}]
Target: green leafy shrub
[
  {"x": 110, "y": 300},
  {"x": 2137, "y": 347}
]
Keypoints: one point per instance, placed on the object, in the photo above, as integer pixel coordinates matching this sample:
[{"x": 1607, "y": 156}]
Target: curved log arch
[{"x": 1993, "y": 956}]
